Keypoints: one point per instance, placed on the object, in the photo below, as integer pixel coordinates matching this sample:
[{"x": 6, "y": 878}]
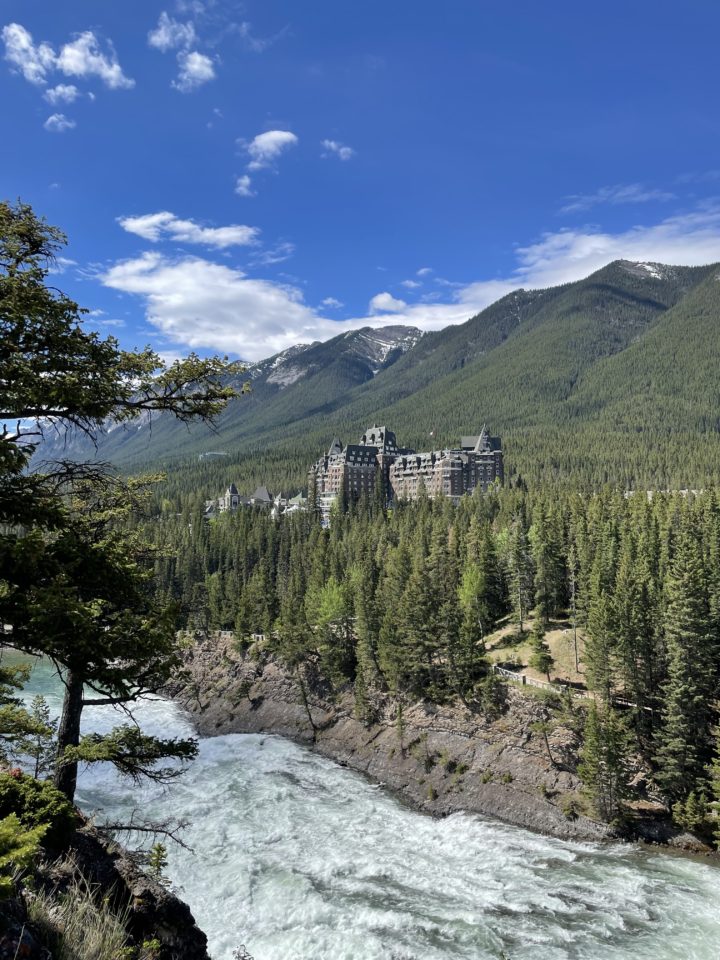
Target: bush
[
  {"x": 37, "y": 803},
  {"x": 18, "y": 848},
  {"x": 571, "y": 805}
]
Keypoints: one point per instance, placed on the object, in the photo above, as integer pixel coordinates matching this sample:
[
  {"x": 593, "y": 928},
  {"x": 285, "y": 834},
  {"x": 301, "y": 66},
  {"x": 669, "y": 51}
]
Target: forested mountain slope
[{"x": 577, "y": 380}]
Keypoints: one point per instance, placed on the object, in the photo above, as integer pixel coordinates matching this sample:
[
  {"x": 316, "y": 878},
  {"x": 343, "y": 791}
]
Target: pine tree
[
  {"x": 546, "y": 540},
  {"x": 520, "y": 571},
  {"x": 540, "y": 657},
  {"x": 684, "y": 741},
  {"x": 603, "y": 767},
  {"x": 38, "y": 744}
]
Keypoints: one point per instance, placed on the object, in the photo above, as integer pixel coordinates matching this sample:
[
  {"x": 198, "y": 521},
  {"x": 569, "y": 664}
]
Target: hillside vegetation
[{"x": 607, "y": 380}]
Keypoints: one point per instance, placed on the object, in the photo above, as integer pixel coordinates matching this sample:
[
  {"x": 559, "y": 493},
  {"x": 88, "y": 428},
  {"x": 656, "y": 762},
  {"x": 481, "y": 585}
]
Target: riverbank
[{"x": 440, "y": 759}]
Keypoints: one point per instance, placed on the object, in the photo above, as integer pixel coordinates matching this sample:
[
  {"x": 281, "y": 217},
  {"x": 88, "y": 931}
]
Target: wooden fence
[{"x": 524, "y": 681}]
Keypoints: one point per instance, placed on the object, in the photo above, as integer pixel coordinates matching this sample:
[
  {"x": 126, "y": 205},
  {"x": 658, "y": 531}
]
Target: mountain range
[{"x": 611, "y": 379}]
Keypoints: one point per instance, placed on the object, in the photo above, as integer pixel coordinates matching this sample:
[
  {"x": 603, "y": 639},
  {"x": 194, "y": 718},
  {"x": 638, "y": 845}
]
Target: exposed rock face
[
  {"x": 153, "y": 911},
  {"x": 441, "y": 759},
  {"x": 150, "y": 912}
]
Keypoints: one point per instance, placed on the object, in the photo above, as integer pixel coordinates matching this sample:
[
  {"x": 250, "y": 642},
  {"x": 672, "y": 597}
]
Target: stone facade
[
  {"x": 401, "y": 473},
  {"x": 232, "y": 501}
]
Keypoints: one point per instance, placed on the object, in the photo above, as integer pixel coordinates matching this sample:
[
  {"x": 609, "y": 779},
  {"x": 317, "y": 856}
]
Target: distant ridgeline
[
  {"x": 377, "y": 467},
  {"x": 576, "y": 379}
]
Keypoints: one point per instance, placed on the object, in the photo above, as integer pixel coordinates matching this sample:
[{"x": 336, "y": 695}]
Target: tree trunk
[{"x": 69, "y": 733}]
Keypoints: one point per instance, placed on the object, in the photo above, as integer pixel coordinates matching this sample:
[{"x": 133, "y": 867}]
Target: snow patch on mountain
[
  {"x": 371, "y": 346},
  {"x": 645, "y": 269}
]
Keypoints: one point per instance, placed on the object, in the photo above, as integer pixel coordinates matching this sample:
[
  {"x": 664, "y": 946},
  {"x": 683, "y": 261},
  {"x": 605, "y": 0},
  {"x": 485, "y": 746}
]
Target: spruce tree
[
  {"x": 603, "y": 767},
  {"x": 520, "y": 570},
  {"x": 684, "y": 740},
  {"x": 540, "y": 657}
]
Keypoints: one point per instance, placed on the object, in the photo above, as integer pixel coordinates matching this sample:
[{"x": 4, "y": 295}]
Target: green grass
[{"x": 76, "y": 925}]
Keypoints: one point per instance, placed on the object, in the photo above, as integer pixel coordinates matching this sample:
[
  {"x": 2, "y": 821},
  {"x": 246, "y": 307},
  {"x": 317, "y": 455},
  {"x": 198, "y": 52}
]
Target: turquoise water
[{"x": 300, "y": 859}]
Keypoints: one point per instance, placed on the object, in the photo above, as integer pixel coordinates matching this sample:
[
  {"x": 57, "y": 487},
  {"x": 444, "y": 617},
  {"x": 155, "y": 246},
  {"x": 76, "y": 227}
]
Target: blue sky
[{"x": 239, "y": 177}]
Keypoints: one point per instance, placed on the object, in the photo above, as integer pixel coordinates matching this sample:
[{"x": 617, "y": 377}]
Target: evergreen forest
[{"x": 409, "y": 601}]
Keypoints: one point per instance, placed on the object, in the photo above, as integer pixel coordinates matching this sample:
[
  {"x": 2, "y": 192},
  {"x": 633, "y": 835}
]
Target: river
[{"x": 300, "y": 859}]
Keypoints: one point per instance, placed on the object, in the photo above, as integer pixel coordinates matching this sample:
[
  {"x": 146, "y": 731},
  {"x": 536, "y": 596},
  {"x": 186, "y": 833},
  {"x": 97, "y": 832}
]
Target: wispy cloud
[
  {"x": 171, "y": 34},
  {"x": 61, "y": 264},
  {"x": 703, "y": 176},
  {"x": 335, "y": 148},
  {"x": 166, "y": 226},
  {"x": 199, "y": 303},
  {"x": 82, "y": 57},
  {"x": 332, "y": 303},
  {"x": 243, "y": 186},
  {"x": 59, "y": 123},
  {"x": 410, "y": 284},
  {"x": 253, "y": 43},
  {"x": 620, "y": 193},
  {"x": 278, "y": 254}
]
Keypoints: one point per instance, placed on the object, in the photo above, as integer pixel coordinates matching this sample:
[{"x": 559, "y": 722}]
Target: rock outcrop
[
  {"x": 441, "y": 759},
  {"x": 159, "y": 925}
]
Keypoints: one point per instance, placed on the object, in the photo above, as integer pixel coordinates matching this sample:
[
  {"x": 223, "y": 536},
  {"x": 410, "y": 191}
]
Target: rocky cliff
[
  {"x": 441, "y": 759},
  {"x": 159, "y": 926}
]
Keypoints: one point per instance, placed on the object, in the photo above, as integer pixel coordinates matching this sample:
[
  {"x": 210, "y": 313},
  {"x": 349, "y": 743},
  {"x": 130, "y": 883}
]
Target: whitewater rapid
[{"x": 300, "y": 859}]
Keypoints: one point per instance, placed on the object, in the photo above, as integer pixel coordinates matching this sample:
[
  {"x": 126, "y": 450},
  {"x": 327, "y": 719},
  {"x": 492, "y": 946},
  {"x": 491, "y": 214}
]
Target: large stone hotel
[{"x": 359, "y": 467}]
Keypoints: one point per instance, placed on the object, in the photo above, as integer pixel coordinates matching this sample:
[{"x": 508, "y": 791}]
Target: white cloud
[
  {"x": 59, "y": 123},
  {"x": 165, "y": 225},
  {"x": 256, "y": 44},
  {"x": 199, "y": 303},
  {"x": 82, "y": 57},
  {"x": 265, "y": 148},
  {"x": 202, "y": 304},
  {"x": 410, "y": 284},
  {"x": 61, "y": 264},
  {"x": 333, "y": 147},
  {"x": 331, "y": 303},
  {"x": 614, "y": 195},
  {"x": 171, "y": 34},
  {"x": 243, "y": 186},
  {"x": 386, "y": 303},
  {"x": 111, "y": 323},
  {"x": 62, "y": 93},
  {"x": 195, "y": 70},
  {"x": 424, "y": 271},
  {"x": 33, "y": 62},
  {"x": 278, "y": 254}
]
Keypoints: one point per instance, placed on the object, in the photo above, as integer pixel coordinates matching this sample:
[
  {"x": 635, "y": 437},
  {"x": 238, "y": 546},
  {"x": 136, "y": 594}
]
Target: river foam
[{"x": 300, "y": 859}]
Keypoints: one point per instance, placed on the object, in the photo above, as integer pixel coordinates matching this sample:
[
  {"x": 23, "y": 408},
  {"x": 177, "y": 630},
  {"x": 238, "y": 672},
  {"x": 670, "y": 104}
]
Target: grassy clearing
[{"x": 507, "y": 645}]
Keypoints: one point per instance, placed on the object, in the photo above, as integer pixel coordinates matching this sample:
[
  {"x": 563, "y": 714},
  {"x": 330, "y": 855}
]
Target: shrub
[
  {"x": 75, "y": 926},
  {"x": 18, "y": 848},
  {"x": 37, "y": 803},
  {"x": 571, "y": 805}
]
